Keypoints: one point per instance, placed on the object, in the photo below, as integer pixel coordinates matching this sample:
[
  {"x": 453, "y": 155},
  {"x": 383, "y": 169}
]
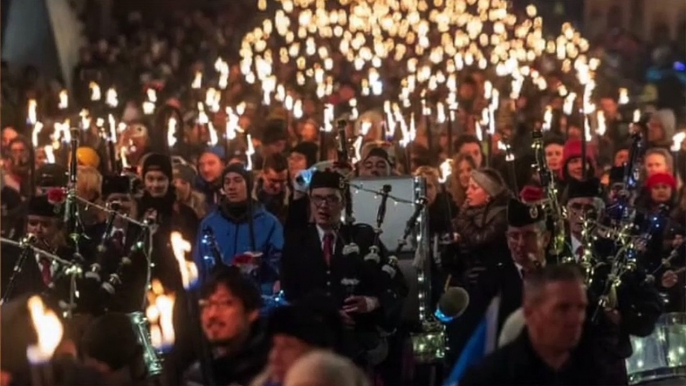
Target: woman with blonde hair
[
  {"x": 89, "y": 188},
  {"x": 463, "y": 164},
  {"x": 442, "y": 208}
]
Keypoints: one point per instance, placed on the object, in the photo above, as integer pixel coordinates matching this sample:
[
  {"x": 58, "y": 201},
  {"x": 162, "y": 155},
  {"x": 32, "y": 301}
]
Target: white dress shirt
[{"x": 575, "y": 246}]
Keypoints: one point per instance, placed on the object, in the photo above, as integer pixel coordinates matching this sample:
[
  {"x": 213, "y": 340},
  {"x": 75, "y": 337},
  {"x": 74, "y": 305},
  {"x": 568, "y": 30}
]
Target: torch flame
[
  {"x": 32, "y": 112},
  {"x": 446, "y": 170},
  {"x": 623, "y": 96},
  {"x": 160, "y": 316},
  {"x": 48, "y": 328},
  {"x": 197, "y": 81},
  {"x": 152, "y": 95},
  {"x": 189, "y": 272},
  {"x": 601, "y": 123},
  {"x": 96, "y": 95},
  {"x": 171, "y": 131},
  {"x": 328, "y": 118},
  {"x": 37, "y": 128},
  {"x": 64, "y": 100},
  {"x": 677, "y": 140},
  {"x": 111, "y": 97},
  {"x": 85, "y": 119},
  {"x": 250, "y": 151},
  {"x": 49, "y": 154}
]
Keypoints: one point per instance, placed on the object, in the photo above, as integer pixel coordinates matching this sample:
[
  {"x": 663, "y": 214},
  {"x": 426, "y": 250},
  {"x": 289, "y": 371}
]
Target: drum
[
  {"x": 405, "y": 191},
  {"x": 661, "y": 355}
]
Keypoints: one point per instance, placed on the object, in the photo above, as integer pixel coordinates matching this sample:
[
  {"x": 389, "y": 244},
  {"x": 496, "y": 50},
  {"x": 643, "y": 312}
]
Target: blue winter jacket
[{"x": 234, "y": 239}]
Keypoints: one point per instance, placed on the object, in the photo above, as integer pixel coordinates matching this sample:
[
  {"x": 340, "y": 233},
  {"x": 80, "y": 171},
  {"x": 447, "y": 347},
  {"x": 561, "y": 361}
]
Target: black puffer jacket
[
  {"x": 482, "y": 243},
  {"x": 237, "y": 368}
]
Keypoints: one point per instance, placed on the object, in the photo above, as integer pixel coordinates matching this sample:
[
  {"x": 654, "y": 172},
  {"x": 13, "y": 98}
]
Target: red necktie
[
  {"x": 45, "y": 270},
  {"x": 328, "y": 248},
  {"x": 579, "y": 253}
]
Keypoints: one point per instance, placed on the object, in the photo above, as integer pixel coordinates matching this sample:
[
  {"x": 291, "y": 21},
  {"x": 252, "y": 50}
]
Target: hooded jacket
[{"x": 233, "y": 238}]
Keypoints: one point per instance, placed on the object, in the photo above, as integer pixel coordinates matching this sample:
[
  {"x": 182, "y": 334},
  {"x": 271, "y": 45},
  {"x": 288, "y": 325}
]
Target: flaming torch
[
  {"x": 160, "y": 316},
  {"x": 49, "y": 331},
  {"x": 96, "y": 95},
  {"x": 189, "y": 277},
  {"x": 64, "y": 100}
]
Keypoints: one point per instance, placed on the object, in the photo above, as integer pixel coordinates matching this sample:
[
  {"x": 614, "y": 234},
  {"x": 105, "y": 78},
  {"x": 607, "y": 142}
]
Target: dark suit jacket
[
  {"x": 28, "y": 281},
  {"x": 518, "y": 364},
  {"x": 304, "y": 270}
]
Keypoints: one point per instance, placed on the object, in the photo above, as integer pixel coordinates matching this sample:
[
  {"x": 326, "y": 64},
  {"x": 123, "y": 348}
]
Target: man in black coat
[
  {"x": 555, "y": 309},
  {"x": 37, "y": 271},
  {"x": 342, "y": 261},
  {"x": 527, "y": 240}
]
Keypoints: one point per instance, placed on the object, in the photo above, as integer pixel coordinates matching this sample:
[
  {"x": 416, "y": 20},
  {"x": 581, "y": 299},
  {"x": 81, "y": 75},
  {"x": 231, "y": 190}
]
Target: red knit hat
[
  {"x": 572, "y": 149},
  {"x": 661, "y": 178},
  {"x": 531, "y": 193}
]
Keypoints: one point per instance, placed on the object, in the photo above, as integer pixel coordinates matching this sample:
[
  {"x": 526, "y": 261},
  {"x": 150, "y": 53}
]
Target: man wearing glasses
[
  {"x": 229, "y": 316},
  {"x": 338, "y": 260}
]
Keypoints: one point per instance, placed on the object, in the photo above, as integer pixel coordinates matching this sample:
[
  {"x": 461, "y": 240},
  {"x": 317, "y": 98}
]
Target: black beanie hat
[
  {"x": 41, "y": 206},
  {"x": 379, "y": 152},
  {"x": 309, "y": 150},
  {"x": 274, "y": 131},
  {"x": 587, "y": 188},
  {"x": 158, "y": 162},
  {"x": 553, "y": 139},
  {"x": 239, "y": 168}
]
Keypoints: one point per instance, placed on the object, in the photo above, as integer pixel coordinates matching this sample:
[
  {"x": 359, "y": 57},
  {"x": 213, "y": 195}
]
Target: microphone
[{"x": 451, "y": 304}]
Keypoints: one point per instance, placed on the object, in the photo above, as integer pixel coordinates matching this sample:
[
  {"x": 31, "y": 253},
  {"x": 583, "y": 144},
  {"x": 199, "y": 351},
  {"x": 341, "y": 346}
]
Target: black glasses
[{"x": 328, "y": 200}]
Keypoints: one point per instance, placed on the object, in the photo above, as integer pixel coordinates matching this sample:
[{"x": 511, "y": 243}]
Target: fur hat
[{"x": 490, "y": 180}]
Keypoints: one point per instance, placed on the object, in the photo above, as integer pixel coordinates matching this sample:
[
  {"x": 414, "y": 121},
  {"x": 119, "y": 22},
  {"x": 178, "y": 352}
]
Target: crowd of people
[{"x": 289, "y": 292}]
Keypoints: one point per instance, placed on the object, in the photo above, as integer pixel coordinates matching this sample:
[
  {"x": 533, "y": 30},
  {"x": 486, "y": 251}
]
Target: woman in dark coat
[{"x": 480, "y": 248}]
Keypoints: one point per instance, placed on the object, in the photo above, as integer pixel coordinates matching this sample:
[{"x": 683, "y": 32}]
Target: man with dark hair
[
  {"x": 240, "y": 232},
  {"x": 376, "y": 163},
  {"x": 342, "y": 261},
  {"x": 470, "y": 145},
  {"x": 229, "y": 315},
  {"x": 271, "y": 189},
  {"x": 44, "y": 222},
  {"x": 210, "y": 165},
  {"x": 554, "y": 309}
]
